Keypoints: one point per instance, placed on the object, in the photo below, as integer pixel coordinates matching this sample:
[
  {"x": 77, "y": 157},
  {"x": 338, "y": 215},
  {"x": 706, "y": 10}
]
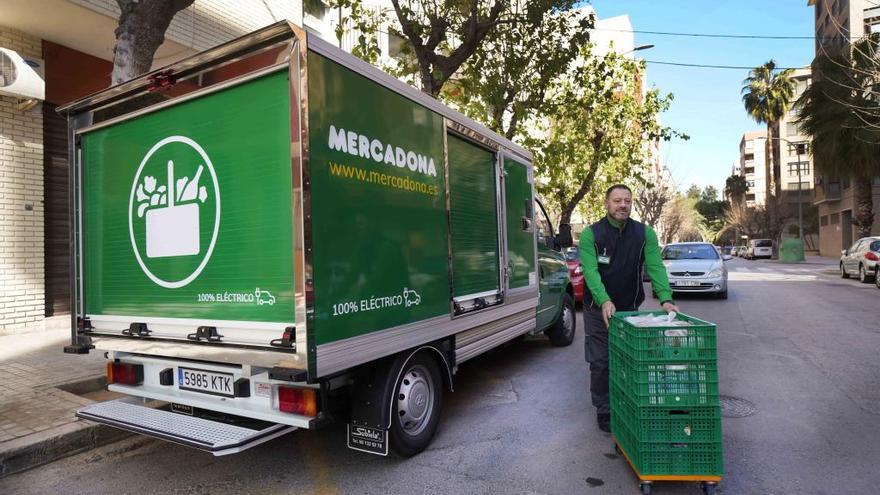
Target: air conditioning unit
[{"x": 21, "y": 78}]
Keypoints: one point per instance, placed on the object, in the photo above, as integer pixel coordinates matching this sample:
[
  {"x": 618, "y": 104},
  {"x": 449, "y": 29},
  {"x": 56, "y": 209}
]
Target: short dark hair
[{"x": 616, "y": 186}]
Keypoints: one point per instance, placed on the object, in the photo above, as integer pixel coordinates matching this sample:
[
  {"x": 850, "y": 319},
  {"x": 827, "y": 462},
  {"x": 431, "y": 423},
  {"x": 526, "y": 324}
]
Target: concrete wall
[{"x": 21, "y": 204}]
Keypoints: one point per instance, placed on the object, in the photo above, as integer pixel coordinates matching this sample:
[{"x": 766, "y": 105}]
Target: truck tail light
[
  {"x": 871, "y": 256},
  {"x": 297, "y": 401},
  {"x": 125, "y": 374}
]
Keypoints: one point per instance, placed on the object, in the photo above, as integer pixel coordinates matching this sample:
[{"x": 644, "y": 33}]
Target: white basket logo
[{"x": 170, "y": 208}]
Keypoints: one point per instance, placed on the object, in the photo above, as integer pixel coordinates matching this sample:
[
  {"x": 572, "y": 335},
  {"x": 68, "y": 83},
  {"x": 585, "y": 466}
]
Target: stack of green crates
[{"x": 665, "y": 412}]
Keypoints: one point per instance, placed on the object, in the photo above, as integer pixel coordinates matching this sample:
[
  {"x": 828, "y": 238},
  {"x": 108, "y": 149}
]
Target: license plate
[
  {"x": 207, "y": 382},
  {"x": 687, "y": 283},
  {"x": 370, "y": 440}
]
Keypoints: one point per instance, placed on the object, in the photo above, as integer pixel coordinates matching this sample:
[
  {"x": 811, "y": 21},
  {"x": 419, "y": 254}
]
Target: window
[
  {"x": 750, "y": 183},
  {"x": 690, "y": 252},
  {"x": 791, "y": 129},
  {"x": 750, "y": 170},
  {"x": 750, "y": 145},
  {"x": 750, "y": 197},
  {"x": 845, "y": 183},
  {"x": 835, "y": 218},
  {"x": 793, "y": 186},
  {"x": 793, "y": 168},
  {"x": 823, "y": 221},
  {"x": 315, "y": 8}
]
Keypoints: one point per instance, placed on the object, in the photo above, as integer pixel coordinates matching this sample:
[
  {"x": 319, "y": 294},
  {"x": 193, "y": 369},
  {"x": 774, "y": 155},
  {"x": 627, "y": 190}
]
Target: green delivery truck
[{"x": 272, "y": 234}]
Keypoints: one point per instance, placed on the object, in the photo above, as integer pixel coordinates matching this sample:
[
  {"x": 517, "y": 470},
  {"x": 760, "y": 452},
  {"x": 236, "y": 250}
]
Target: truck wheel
[
  {"x": 561, "y": 334},
  {"x": 417, "y": 398}
]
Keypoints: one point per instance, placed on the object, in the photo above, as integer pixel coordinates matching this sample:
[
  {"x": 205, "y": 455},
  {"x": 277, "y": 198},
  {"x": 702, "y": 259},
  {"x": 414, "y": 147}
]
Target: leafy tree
[
  {"x": 141, "y": 30},
  {"x": 441, "y": 35},
  {"x": 735, "y": 188},
  {"x": 767, "y": 95},
  {"x": 681, "y": 222},
  {"x": 840, "y": 111},
  {"x": 595, "y": 134},
  {"x": 693, "y": 192},
  {"x": 508, "y": 79}
]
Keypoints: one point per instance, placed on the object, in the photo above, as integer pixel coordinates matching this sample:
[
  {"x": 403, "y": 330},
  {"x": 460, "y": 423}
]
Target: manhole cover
[{"x": 734, "y": 407}]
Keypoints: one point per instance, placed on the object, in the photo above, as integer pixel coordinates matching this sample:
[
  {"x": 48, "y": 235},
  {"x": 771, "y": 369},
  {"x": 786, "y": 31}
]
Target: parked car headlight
[{"x": 715, "y": 273}]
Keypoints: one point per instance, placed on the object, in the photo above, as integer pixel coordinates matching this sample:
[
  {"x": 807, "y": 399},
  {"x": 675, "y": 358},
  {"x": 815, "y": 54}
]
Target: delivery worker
[{"x": 613, "y": 251}]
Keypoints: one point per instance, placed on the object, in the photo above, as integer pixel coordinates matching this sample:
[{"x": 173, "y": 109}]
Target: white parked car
[
  {"x": 759, "y": 248},
  {"x": 696, "y": 267},
  {"x": 861, "y": 259}
]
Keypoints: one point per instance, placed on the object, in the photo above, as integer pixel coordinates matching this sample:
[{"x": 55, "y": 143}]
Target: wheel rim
[{"x": 415, "y": 400}]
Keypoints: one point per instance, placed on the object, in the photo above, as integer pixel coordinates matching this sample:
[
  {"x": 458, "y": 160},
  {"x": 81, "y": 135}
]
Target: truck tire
[
  {"x": 418, "y": 396},
  {"x": 561, "y": 333}
]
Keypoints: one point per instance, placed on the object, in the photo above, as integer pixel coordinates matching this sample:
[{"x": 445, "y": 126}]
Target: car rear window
[
  {"x": 764, "y": 243},
  {"x": 875, "y": 246},
  {"x": 690, "y": 252}
]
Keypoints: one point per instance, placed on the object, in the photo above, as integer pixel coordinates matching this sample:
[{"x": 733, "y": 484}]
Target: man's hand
[
  {"x": 670, "y": 307},
  {"x": 608, "y": 311}
]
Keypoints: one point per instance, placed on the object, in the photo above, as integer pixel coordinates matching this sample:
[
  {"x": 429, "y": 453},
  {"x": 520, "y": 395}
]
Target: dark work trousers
[{"x": 596, "y": 353}]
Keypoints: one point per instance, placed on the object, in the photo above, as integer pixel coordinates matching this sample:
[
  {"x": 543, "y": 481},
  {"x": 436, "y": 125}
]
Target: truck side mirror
[{"x": 564, "y": 239}]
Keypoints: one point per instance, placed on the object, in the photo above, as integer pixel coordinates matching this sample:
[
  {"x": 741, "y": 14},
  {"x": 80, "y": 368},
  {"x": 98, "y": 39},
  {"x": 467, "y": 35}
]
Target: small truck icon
[
  {"x": 411, "y": 297},
  {"x": 264, "y": 297}
]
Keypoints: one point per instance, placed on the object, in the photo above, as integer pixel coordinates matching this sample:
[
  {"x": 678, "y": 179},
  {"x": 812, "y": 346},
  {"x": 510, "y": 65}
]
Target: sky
[{"x": 707, "y": 105}]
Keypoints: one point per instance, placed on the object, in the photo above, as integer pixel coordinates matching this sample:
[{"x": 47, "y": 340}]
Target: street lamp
[
  {"x": 640, "y": 47},
  {"x": 801, "y": 148}
]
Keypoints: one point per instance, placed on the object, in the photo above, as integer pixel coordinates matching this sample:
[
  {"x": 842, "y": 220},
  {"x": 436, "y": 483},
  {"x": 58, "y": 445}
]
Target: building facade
[
  {"x": 71, "y": 43},
  {"x": 753, "y": 166},
  {"x": 794, "y": 171},
  {"x": 837, "y": 24}
]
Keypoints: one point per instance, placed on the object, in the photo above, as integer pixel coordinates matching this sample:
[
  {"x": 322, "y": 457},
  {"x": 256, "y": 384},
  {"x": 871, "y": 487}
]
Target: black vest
[{"x": 622, "y": 276}]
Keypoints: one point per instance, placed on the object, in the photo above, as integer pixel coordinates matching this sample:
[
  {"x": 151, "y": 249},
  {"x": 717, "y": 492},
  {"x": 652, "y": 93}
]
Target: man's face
[{"x": 619, "y": 204}]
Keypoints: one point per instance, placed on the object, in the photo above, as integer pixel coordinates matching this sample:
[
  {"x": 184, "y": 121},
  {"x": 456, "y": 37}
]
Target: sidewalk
[{"x": 38, "y": 400}]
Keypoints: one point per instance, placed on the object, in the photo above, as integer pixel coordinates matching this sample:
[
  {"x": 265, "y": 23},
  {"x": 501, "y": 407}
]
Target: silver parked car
[
  {"x": 696, "y": 267},
  {"x": 861, "y": 259}
]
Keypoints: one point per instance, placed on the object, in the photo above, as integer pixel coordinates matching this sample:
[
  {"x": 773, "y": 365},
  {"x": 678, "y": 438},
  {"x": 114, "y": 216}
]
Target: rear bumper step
[{"x": 203, "y": 434}]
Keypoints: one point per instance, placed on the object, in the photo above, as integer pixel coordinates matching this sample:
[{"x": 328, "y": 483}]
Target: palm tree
[
  {"x": 766, "y": 95},
  {"x": 840, "y": 111},
  {"x": 735, "y": 188}
]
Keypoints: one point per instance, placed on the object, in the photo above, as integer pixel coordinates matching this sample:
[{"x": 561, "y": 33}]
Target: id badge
[{"x": 605, "y": 260}]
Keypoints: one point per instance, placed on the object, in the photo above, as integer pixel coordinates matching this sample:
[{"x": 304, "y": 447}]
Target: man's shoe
[{"x": 604, "y": 421}]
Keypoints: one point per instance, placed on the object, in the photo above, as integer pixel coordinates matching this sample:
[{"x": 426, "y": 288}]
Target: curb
[{"x": 50, "y": 445}]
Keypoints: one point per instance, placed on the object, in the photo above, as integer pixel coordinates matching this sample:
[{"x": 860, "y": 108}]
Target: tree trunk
[
  {"x": 769, "y": 180},
  {"x": 141, "y": 30},
  {"x": 569, "y": 205},
  {"x": 864, "y": 206}
]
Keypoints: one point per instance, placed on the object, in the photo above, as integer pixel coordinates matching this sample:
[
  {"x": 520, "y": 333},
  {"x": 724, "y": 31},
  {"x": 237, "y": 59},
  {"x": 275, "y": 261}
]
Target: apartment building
[
  {"x": 753, "y": 166},
  {"x": 794, "y": 171},
  {"x": 837, "y": 24},
  {"x": 70, "y": 44}
]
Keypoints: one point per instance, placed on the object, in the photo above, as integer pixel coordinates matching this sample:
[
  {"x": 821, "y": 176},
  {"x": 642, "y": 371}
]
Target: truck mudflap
[{"x": 211, "y": 436}]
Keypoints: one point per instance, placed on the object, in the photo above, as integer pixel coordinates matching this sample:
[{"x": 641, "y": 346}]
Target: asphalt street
[{"x": 796, "y": 342}]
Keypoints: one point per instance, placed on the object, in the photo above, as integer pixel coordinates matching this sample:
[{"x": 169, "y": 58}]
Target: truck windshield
[{"x": 690, "y": 252}]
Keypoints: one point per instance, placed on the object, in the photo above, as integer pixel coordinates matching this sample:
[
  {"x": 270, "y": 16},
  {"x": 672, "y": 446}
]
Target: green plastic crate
[
  {"x": 666, "y": 424},
  {"x": 663, "y": 343},
  {"x": 670, "y": 458},
  {"x": 679, "y": 384}
]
